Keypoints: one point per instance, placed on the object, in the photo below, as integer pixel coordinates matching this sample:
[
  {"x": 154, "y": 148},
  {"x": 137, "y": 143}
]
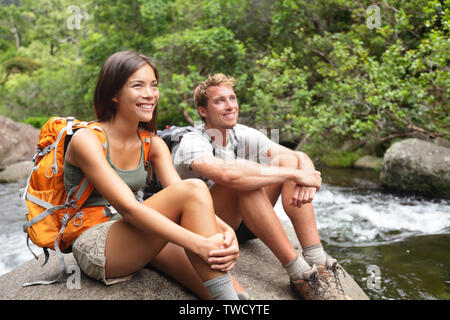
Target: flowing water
[{"x": 394, "y": 246}]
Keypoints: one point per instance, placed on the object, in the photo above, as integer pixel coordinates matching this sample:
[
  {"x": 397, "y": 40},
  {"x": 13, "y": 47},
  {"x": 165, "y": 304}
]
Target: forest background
[{"x": 338, "y": 78}]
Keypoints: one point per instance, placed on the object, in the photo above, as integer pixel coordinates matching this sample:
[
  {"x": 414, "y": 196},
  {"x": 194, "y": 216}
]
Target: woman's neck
[{"x": 118, "y": 129}]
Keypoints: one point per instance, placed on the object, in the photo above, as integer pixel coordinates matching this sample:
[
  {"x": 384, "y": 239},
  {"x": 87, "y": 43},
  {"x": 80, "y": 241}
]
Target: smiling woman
[
  {"x": 175, "y": 230},
  {"x": 116, "y": 82},
  {"x": 139, "y": 96}
]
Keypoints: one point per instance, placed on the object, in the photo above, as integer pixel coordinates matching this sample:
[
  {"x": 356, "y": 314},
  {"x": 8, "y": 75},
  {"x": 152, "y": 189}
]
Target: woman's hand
[
  {"x": 208, "y": 244},
  {"x": 224, "y": 258}
]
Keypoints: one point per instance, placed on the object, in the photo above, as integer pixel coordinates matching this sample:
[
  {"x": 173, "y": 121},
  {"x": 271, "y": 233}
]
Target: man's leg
[
  {"x": 304, "y": 222},
  {"x": 255, "y": 209},
  {"x": 303, "y": 218}
]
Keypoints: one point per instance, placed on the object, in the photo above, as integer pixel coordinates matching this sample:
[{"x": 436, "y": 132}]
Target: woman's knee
[
  {"x": 195, "y": 186},
  {"x": 196, "y": 190}
]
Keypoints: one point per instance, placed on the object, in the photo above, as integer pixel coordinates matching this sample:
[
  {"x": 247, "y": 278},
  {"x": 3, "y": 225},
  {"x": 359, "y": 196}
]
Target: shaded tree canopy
[{"x": 323, "y": 71}]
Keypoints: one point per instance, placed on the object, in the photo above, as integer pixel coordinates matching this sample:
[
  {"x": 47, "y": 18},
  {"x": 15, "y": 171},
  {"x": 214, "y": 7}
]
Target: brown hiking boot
[
  {"x": 330, "y": 274},
  {"x": 315, "y": 286}
]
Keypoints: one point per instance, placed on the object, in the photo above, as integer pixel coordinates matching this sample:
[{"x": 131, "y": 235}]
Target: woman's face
[{"x": 139, "y": 95}]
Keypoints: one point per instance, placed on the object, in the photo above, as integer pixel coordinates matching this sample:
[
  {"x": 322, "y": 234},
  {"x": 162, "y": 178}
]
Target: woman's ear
[{"x": 114, "y": 99}]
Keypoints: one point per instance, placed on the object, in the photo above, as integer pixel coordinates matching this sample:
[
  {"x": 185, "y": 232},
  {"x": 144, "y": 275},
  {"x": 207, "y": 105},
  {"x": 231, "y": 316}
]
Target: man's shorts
[{"x": 244, "y": 234}]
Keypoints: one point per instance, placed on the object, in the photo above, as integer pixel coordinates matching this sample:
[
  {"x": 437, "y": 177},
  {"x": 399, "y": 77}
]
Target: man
[{"x": 247, "y": 173}]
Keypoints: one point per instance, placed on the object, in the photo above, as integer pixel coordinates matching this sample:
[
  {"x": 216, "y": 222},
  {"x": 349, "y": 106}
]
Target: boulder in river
[{"x": 414, "y": 165}]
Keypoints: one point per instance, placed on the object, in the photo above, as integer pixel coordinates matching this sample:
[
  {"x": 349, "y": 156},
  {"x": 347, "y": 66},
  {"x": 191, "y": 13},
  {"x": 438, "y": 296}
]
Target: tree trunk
[{"x": 15, "y": 33}]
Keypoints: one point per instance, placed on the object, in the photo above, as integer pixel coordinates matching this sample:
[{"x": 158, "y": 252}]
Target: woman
[{"x": 181, "y": 216}]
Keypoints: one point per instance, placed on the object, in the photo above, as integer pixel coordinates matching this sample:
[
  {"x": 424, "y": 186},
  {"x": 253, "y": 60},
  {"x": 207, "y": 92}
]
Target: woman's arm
[
  {"x": 161, "y": 161},
  {"x": 85, "y": 152}
]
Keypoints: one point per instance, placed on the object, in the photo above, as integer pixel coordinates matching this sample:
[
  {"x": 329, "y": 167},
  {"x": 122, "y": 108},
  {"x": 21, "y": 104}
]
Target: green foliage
[
  {"x": 20, "y": 65},
  {"x": 210, "y": 50},
  {"x": 36, "y": 122},
  {"x": 176, "y": 103},
  {"x": 312, "y": 69},
  {"x": 279, "y": 96},
  {"x": 340, "y": 158}
]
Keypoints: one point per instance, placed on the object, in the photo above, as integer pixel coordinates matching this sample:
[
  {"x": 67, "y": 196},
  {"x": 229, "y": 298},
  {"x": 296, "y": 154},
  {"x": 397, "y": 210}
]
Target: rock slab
[
  {"x": 414, "y": 165},
  {"x": 267, "y": 282}
]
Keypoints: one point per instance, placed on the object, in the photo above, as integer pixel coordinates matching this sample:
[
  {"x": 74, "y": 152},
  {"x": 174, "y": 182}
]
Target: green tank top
[{"x": 135, "y": 179}]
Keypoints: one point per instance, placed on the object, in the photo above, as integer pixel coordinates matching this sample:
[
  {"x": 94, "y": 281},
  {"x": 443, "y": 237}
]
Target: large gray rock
[
  {"x": 16, "y": 171},
  {"x": 18, "y": 141},
  {"x": 268, "y": 281},
  {"x": 417, "y": 166}
]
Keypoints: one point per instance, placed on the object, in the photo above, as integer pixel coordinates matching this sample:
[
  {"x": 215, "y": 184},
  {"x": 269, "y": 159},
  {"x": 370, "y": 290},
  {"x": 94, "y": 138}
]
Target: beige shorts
[{"x": 89, "y": 251}]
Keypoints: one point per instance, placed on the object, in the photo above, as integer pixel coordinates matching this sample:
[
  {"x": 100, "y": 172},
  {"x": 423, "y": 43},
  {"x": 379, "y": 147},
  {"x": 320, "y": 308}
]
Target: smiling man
[{"x": 246, "y": 173}]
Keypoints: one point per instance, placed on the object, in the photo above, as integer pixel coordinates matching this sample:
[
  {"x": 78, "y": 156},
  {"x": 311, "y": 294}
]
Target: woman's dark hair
[{"x": 112, "y": 77}]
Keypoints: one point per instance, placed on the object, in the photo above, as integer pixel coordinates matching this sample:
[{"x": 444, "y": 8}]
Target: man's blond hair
[{"x": 218, "y": 79}]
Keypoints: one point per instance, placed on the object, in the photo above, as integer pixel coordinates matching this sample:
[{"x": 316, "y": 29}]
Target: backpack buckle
[
  {"x": 79, "y": 216},
  {"x": 70, "y": 122}
]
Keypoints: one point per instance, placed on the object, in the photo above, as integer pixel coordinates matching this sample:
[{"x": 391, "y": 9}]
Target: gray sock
[
  {"x": 221, "y": 288},
  {"x": 296, "y": 267},
  {"x": 315, "y": 255}
]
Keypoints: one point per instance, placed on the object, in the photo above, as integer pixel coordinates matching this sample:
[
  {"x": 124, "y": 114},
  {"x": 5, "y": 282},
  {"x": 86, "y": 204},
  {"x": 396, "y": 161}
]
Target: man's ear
[{"x": 202, "y": 111}]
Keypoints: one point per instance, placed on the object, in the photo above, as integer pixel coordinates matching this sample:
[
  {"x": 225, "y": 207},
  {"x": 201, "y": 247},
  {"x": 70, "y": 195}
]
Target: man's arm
[
  {"x": 301, "y": 194},
  {"x": 303, "y": 159},
  {"x": 247, "y": 175}
]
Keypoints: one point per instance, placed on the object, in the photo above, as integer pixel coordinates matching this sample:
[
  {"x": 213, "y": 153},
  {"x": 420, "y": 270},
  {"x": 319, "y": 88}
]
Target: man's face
[{"x": 222, "y": 110}]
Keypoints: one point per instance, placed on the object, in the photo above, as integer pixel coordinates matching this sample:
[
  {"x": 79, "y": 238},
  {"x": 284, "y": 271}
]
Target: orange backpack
[{"x": 54, "y": 218}]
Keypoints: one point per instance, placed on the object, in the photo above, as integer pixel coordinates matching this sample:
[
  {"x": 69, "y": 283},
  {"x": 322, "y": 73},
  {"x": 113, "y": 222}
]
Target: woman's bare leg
[
  {"x": 188, "y": 203},
  {"x": 173, "y": 261}
]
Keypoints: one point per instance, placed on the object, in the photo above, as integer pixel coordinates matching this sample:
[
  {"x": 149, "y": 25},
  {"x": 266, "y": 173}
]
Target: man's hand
[
  {"x": 302, "y": 195},
  {"x": 308, "y": 178}
]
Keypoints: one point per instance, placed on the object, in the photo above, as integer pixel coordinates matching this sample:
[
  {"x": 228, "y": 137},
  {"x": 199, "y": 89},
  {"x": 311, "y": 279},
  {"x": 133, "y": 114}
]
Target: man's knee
[{"x": 254, "y": 195}]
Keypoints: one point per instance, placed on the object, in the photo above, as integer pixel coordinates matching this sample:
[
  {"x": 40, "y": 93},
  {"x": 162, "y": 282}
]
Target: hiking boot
[
  {"x": 330, "y": 274},
  {"x": 315, "y": 286}
]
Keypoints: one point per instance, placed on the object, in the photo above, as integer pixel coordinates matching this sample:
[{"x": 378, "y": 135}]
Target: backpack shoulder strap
[{"x": 147, "y": 140}]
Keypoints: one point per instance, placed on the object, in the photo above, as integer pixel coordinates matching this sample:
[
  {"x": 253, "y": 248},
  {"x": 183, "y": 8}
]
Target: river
[{"x": 394, "y": 246}]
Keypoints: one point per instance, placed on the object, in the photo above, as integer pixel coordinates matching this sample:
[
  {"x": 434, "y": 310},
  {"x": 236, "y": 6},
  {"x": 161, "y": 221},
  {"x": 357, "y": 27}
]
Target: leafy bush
[{"x": 36, "y": 122}]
